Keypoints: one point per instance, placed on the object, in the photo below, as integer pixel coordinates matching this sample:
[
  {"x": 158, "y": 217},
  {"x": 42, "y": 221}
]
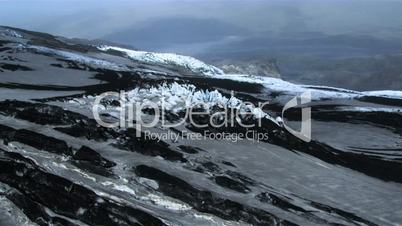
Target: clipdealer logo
[
  {"x": 305, "y": 131},
  {"x": 131, "y": 116}
]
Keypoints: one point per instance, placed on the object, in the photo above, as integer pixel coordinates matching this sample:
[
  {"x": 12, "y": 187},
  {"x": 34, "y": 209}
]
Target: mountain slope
[{"x": 58, "y": 166}]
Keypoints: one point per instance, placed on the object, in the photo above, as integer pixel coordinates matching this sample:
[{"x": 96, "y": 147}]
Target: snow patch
[
  {"x": 188, "y": 62},
  {"x": 371, "y": 109},
  {"x": 385, "y": 93},
  {"x": 168, "y": 204},
  {"x": 80, "y": 58},
  {"x": 176, "y": 97},
  {"x": 12, "y": 33},
  {"x": 317, "y": 92},
  {"x": 119, "y": 187}
]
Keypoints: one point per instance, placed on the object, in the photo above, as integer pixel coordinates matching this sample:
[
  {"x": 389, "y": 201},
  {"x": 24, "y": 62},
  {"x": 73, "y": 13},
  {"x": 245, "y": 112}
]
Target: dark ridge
[
  {"x": 44, "y": 114},
  {"x": 190, "y": 149},
  {"x": 11, "y": 58},
  {"x": 285, "y": 204},
  {"x": 207, "y": 202},
  {"x": 231, "y": 184},
  {"x": 5, "y": 132},
  {"x": 52, "y": 145},
  {"x": 240, "y": 177},
  {"x": 3, "y": 42},
  {"x": 67, "y": 198},
  {"x": 94, "y": 168},
  {"x": 40, "y": 113},
  {"x": 141, "y": 144},
  {"x": 44, "y": 39},
  {"x": 39, "y": 141},
  {"x": 87, "y": 154},
  {"x": 279, "y": 202},
  {"x": 342, "y": 213},
  {"x": 378, "y": 151},
  {"x": 208, "y": 167},
  {"x": 85, "y": 158},
  {"x": 383, "y": 119},
  {"x": 57, "y": 65},
  {"x": 39, "y": 87},
  {"x": 382, "y": 100},
  {"x": 3, "y": 49},
  {"x": 74, "y": 124},
  {"x": 35, "y": 211},
  {"x": 72, "y": 65},
  {"x": 44, "y": 35},
  {"x": 330, "y": 89},
  {"x": 232, "y": 180},
  {"x": 89, "y": 130},
  {"x": 229, "y": 164},
  {"x": 227, "y": 84},
  {"x": 14, "y": 67},
  {"x": 116, "y": 53}
]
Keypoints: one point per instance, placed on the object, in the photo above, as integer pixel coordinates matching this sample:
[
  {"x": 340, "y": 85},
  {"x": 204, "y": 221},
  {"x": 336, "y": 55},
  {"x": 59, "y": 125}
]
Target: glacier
[{"x": 188, "y": 62}]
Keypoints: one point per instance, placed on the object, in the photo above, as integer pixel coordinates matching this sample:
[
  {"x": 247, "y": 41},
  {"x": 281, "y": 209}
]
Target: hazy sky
[
  {"x": 190, "y": 26},
  {"x": 97, "y": 18},
  {"x": 291, "y": 31}
]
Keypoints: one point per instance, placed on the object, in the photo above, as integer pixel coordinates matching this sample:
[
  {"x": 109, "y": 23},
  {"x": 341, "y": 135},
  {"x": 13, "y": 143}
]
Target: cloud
[{"x": 95, "y": 19}]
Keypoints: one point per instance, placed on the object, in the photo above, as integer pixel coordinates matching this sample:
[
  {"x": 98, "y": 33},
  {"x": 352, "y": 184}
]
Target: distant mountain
[
  {"x": 347, "y": 61},
  {"x": 162, "y": 34},
  {"x": 261, "y": 67}
]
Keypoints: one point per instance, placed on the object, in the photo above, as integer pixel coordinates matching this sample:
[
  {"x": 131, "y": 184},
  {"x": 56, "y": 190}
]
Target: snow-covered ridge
[
  {"x": 317, "y": 92},
  {"x": 188, "y": 62},
  {"x": 370, "y": 109},
  {"x": 385, "y": 93},
  {"x": 279, "y": 85},
  {"x": 11, "y": 33},
  {"x": 276, "y": 84},
  {"x": 79, "y": 58},
  {"x": 272, "y": 84}
]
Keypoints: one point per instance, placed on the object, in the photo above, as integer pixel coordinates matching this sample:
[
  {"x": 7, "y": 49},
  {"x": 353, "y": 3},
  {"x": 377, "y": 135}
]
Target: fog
[{"x": 99, "y": 18}]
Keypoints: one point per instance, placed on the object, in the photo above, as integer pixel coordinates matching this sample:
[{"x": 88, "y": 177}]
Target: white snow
[
  {"x": 119, "y": 187},
  {"x": 168, "y": 59},
  {"x": 80, "y": 58},
  {"x": 272, "y": 84},
  {"x": 176, "y": 97},
  {"x": 12, "y": 33},
  {"x": 318, "y": 92},
  {"x": 277, "y": 84},
  {"x": 166, "y": 203},
  {"x": 81, "y": 211},
  {"x": 385, "y": 93},
  {"x": 371, "y": 109}
]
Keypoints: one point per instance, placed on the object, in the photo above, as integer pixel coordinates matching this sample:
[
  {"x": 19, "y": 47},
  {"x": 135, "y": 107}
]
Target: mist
[
  {"x": 298, "y": 34},
  {"x": 94, "y": 19}
]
